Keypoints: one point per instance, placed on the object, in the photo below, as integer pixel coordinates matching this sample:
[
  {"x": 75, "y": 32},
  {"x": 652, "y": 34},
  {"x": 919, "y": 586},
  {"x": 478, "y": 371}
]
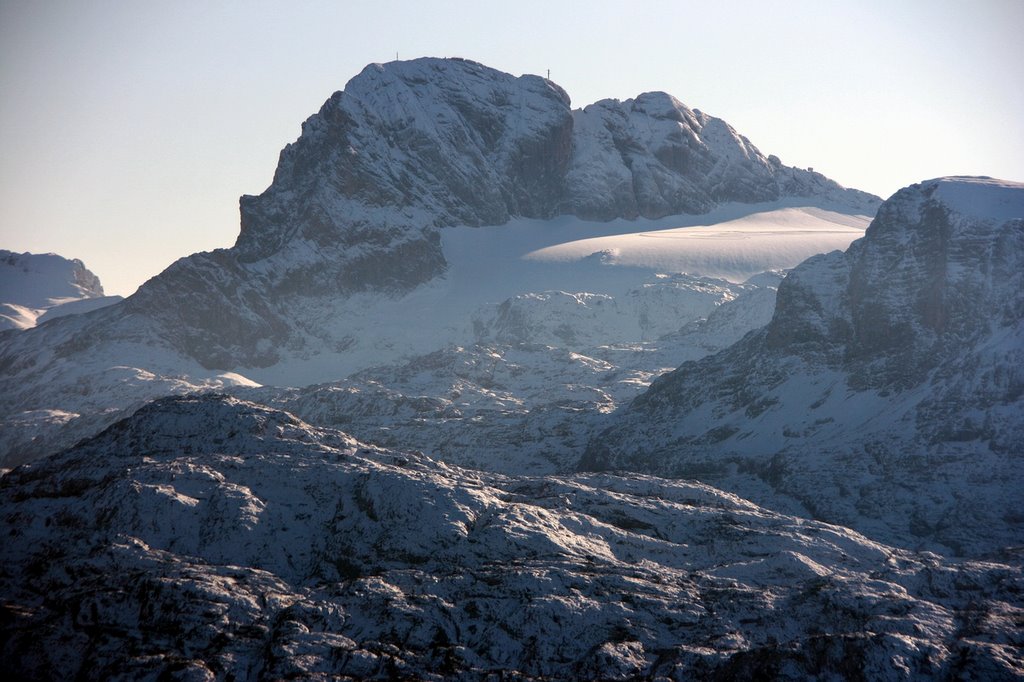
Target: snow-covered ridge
[
  {"x": 39, "y": 287},
  {"x": 885, "y": 394},
  {"x": 654, "y": 156},
  {"x": 981, "y": 198},
  {"x": 212, "y": 537}
]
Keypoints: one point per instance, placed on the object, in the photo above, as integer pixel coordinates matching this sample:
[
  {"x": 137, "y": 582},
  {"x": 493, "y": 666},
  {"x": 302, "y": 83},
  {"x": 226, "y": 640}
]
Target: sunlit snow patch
[{"x": 733, "y": 250}]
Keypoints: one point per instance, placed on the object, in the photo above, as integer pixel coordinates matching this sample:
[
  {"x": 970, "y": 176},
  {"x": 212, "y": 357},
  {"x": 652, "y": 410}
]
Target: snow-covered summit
[
  {"x": 40, "y": 280},
  {"x": 35, "y": 287},
  {"x": 982, "y": 198}
]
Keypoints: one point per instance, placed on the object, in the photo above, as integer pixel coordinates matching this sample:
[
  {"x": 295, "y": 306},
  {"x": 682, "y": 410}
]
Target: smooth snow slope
[{"x": 735, "y": 249}]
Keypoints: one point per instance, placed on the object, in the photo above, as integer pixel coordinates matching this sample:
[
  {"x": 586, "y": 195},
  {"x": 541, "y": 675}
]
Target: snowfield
[
  {"x": 488, "y": 266},
  {"x": 734, "y": 249}
]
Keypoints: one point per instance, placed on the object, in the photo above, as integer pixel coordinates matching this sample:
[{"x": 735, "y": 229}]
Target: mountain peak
[
  {"x": 978, "y": 197},
  {"x": 409, "y": 146},
  {"x": 442, "y": 70},
  {"x": 38, "y": 285},
  {"x": 409, "y": 152},
  {"x": 439, "y": 142}
]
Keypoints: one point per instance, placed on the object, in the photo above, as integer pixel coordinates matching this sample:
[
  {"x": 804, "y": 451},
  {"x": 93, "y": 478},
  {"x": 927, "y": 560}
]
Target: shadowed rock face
[
  {"x": 885, "y": 394},
  {"x": 465, "y": 144},
  {"x": 930, "y": 276}
]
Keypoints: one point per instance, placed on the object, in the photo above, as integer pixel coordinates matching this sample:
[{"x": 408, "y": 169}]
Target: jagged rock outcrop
[
  {"x": 212, "y": 538},
  {"x": 580, "y": 320},
  {"x": 886, "y": 393}
]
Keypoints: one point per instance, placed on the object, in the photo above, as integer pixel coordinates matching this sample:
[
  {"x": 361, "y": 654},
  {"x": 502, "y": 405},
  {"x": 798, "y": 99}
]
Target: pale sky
[{"x": 130, "y": 128}]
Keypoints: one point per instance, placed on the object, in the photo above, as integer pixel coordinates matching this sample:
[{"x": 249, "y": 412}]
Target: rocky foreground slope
[
  {"x": 886, "y": 394},
  {"x": 209, "y": 538}
]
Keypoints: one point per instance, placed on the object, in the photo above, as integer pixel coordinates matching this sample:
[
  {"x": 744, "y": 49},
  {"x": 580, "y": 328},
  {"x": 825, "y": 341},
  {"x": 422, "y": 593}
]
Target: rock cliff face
[
  {"x": 886, "y": 393},
  {"x": 459, "y": 142},
  {"x": 210, "y": 538}
]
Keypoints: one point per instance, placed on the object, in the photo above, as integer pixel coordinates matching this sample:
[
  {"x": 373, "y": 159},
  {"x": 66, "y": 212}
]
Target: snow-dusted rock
[
  {"x": 212, "y": 538},
  {"x": 579, "y": 320},
  {"x": 529, "y": 407},
  {"x": 39, "y": 287},
  {"x": 409, "y": 148},
  {"x": 368, "y": 247},
  {"x": 884, "y": 395},
  {"x": 654, "y": 156}
]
